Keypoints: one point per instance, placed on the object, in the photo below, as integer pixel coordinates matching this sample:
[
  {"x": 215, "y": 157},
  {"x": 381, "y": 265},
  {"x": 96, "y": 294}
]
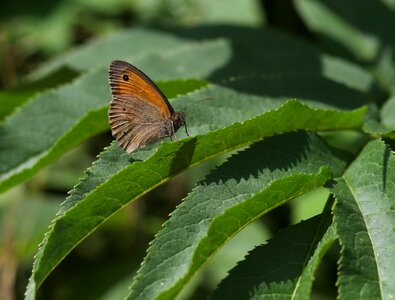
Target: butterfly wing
[
  {"x": 126, "y": 79},
  {"x": 136, "y": 123},
  {"x": 139, "y": 113}
]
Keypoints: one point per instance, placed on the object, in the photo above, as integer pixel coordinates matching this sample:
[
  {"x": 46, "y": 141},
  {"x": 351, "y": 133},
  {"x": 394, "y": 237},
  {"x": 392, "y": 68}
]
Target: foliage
[{"x": 284, "y": 118}]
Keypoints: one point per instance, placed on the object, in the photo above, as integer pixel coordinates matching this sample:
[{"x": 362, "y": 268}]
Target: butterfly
[{"x": 139, "y": 113}]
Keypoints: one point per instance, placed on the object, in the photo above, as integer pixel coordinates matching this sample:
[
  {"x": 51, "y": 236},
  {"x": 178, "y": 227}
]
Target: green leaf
[
  {"x": 13, "y": 98},
  {"x": 9, "y": 100},
  {"x": 386, "y": 126},
  {"x": 345, "y": 72},
  {"x": 235, "y": 249},
  {"x": 137, "y": 44},
  {"x": 175, "y": 88},
  {"x": 26, "y": 146},
  {"x": 285, "y": 266},
  {"x": 33, "y": 137},
  {"x": 344, "y": 24},
  {"x": 275, "y": 53},
  {"x": 338, "y": 27},
  {"x": 231, "y": 54},
  {"x": 239, "y": 12},
  {"x": 377, "y": 129},
  {"x": 187, "y": 61},
  {"x": 100, "y": 52},
  {"x": 248, "y": 185},
  {"x": 24, "y": 218},
  {"x": 364, "y": 220},
  {"x": 113, "y": 182}
]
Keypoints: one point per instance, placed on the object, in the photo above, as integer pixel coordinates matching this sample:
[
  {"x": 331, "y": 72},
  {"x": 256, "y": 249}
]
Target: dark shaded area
[
  {"x": 379, "y": 22},
  {"x": 94, "y": 262},
  {"x": 286, "y": 153},
  {"x": 257, "y": 50},
  {"x": 326, "y": 274},
  {"x": 373, "y": 19},
  {"x": 312, "y": 88},
  {"x": 265, "y": 155},
  {"x": 390, "y": 143},
  {"x": 37, "y": 8},
  {"x": 262, "y": 268},
  {"x": 183, "y": 156},
  {"x": 12, "y": 98},
  {"x": 266, "y": 52},
  {"x": 283, "y": 15}
]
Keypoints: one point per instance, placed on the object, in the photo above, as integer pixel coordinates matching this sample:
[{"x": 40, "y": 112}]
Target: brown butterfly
[{"x": 139, "y": 113}]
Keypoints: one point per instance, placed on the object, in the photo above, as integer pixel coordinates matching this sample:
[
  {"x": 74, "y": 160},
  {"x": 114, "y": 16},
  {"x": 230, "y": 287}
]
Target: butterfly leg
[
  {"x": 172, "y": 132},
  {"x": 186, "y": 129}
]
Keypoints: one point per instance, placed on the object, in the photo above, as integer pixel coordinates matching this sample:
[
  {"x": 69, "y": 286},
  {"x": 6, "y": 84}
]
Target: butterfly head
[{"x": 178, "y": 119}]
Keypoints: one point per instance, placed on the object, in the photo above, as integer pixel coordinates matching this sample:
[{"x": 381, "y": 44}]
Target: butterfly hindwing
[
  {"x": 136, "y": 123},
  {"x": 126, "y": 79}
]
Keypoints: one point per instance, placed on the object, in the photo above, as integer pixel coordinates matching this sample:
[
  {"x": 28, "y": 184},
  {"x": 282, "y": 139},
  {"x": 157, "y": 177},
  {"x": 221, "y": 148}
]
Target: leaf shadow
[
  {"x": 183, "y": 156},
  {"x": 380, "y": 19},
  {"x": 271, "y": 157},
  {"x": 275, "y": 266},
  {"x": 289, "y": 67}
]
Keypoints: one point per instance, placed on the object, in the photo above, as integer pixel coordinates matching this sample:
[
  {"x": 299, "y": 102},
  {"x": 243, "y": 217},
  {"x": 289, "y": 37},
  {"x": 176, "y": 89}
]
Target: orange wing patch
[{"x": 126, "y": 79}]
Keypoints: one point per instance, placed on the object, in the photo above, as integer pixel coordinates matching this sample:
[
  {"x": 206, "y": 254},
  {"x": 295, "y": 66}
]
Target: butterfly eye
[{"x": 125, "y": 77}]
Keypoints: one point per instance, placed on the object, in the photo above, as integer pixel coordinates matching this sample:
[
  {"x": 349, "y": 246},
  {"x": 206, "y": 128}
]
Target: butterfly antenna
[
  {"x": 185, "y": 123},
  {"x": 201, "y": 100}
]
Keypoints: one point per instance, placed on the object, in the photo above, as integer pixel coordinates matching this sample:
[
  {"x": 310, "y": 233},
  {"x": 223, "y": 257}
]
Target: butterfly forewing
[{"x": 126, "y": 79}]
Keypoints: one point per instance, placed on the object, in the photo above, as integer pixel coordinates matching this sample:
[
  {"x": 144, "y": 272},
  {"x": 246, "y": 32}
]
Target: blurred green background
[{"x": 31, "y": 33}]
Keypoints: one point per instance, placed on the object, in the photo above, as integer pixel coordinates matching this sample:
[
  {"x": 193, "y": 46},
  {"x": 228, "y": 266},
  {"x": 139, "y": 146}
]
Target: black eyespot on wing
[{"x": 125, "y": 77}]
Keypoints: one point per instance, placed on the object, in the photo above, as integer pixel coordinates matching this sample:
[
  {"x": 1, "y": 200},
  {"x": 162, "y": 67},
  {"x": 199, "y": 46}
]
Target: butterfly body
[{"x": 139, "y": 113}]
